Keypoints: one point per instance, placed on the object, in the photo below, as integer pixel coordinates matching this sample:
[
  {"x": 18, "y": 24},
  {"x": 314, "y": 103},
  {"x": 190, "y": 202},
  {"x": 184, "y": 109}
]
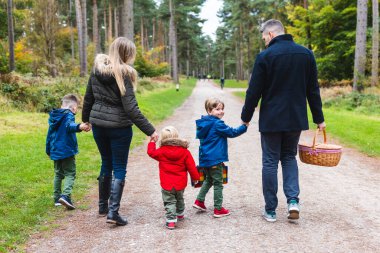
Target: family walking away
[
  {"x": 111, "y": 108},
  {"x": 62, "y": 146},
  {"x": 284, "y": 77},
  {"x": 175, "y": 160},
  {"x": 212, "y": 133}
]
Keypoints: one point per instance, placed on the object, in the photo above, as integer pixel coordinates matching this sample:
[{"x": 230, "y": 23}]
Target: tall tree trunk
[
  {"x": 173, "y": 43},
  {"x": 79, "y": 19},
  {"x": 360, "y": 47},
  {"x": 241, "y": 56},
  {"x": 105, "y": 27},
  {"x": 154, "y": 33},
  {"x": 187, "y": 59},
  {"x": 71, "y": 31},
  {"x": 375, "y": 43},
  {"x": 142, "y": 33},
  {"x": 84, "y": 35},
  {"x": 127, "y": 20},
  {"x": 308, "y": 26},
  {"x": 109, "y": 31},
  {"x": 95, "y": 26},
  {"x": 116, "y": 21},
  {"x": 222, "y": 69},
  {"x": 47, "y": 24},
  {"x": 146, "y": 36},
  {"x": 11, "y": 36},
  {"x": 237, "y": 60}
]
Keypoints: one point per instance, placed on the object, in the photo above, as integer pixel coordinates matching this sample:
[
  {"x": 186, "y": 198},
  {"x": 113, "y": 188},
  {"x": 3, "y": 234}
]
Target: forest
[
  {"x": 61, "y": 37},
  {"x": 47, "y": 49}
]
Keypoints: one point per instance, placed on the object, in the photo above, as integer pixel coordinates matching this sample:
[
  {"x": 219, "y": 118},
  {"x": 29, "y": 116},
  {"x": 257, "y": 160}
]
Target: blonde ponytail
[{"x": 122, "y": 52}]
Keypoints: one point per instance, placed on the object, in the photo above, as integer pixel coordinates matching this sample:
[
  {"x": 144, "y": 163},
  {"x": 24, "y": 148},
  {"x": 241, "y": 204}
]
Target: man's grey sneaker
[
  {"x": 66, "y": 201},
  {"x": 293, "y": 210},
  {"x": 269, "y": 216}
]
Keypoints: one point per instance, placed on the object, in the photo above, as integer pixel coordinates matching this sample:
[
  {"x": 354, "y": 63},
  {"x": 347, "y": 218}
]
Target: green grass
[
  {"x": 352, "y": 129},
  {"x": 26, "y": 182},
  {"x": 229, "y": 83},
  {"x": 240, "y": 94}
]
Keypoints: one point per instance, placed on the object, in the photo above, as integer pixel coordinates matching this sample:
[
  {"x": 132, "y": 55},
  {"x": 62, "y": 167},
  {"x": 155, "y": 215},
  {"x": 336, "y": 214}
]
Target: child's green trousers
[
  {"x": 64, "y": 169},
  {"x": 174, "y": 204},
  {"x": 213, "y": 177}
]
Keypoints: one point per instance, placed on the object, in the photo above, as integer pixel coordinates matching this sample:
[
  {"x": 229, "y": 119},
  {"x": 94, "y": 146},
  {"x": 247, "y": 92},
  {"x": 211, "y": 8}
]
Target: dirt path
[{"x": 339, "y": 206}]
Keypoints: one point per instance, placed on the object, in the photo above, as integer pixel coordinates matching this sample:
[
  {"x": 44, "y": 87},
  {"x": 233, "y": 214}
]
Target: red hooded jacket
[{"x": 174, "y": 163}]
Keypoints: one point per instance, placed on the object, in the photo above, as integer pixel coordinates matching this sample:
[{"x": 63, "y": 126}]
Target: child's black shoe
[{"x": 66, "y": 201}]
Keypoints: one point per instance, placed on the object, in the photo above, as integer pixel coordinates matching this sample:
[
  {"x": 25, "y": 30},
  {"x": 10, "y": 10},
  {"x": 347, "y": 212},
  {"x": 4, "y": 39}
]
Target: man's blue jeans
[
  {"x": 113, "y": 145},
  {"x": 279, "y": 146}
]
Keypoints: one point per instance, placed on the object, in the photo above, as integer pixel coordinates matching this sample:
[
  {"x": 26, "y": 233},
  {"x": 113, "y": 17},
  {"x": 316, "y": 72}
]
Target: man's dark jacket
[
  {"x": 284, "y": 76},
  {"x": 103, "y": 104}
]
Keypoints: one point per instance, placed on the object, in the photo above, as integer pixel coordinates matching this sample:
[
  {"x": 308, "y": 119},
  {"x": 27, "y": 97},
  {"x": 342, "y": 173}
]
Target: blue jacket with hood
[
  {"x": 61, "y": 141},
  {"x": 212, "y": 133}
]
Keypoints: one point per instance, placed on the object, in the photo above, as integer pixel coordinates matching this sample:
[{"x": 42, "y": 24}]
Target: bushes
[
  {"x": 35, "y": 94},
  {"x": 146, "y": 84},
  {"x": 334, "y": 83},
  {"x": 355, "y": 101}
]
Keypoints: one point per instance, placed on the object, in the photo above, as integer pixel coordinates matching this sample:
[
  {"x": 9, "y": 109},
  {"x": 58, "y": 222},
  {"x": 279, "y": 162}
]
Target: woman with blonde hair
[{"x": 110, "y": 106}]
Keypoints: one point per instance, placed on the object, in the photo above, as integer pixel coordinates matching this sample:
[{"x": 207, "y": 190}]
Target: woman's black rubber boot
[{"x": 113, "y": 216}]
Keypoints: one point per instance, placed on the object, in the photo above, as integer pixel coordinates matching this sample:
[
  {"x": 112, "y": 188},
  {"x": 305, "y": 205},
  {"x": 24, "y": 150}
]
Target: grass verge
[
  {"x": 353, "y": 129},
  {"x": 230, "y": 83},
  {"x": 26, "y": 181}
]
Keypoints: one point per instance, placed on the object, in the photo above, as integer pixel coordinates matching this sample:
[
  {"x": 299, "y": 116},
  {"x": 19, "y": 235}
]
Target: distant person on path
[
  {"x": 174, "y": 163},
  {"x": 284, "y": 77},
  {"x": 110, "y": 106},
  {"x": 222, "y": 82},
  {"x": 212, "y": 133},
  {"x": 62, "y": 146}
]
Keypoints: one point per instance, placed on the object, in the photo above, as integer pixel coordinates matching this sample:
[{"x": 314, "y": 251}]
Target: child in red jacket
[{"x": 174, "y": 163}]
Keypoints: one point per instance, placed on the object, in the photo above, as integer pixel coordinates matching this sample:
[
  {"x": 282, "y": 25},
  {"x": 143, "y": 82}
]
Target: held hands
[
  {"x": 154, "y": 137},
  {"x": 85, "y": 126},
  {"x": 322, "y": 126},
  {"x": 245, "y": 123}
]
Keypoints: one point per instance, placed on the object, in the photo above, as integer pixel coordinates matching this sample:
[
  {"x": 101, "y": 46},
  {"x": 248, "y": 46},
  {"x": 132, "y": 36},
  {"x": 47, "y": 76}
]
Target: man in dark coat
[{"x": 284, "y": 77}]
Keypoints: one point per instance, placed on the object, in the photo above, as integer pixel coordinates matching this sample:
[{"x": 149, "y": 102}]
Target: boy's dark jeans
[
  {"x": 64, "y": 169},
  {"x": 213, "y": 177},
  {"x": 174, "y": 204},
  {"x": 279, "y": 146},
  {"x": 113, "y": 145}
]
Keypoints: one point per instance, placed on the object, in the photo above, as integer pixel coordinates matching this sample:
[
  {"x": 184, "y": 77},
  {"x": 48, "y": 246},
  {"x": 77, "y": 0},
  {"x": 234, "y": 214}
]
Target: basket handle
[{"x": 315, "y": 137}]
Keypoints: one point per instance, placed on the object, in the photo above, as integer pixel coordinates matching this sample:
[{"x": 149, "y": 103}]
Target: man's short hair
[
  {"x": 272, "y": 25},
  {"x": 69, "y": 101}
]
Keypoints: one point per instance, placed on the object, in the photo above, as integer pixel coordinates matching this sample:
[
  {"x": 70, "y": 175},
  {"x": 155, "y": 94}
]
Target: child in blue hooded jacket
[
  {"x": 62, "y": 146},
  {"x": 212, "y": 133}
]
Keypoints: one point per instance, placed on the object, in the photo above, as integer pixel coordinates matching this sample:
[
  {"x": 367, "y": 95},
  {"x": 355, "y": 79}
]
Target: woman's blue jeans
[
  {"x": 113, "y": 145},
  {"x": 279, "y": 146}
]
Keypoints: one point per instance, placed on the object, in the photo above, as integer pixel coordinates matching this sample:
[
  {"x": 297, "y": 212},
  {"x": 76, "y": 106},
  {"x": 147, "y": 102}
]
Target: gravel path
[{"x": 339, "y": 206}]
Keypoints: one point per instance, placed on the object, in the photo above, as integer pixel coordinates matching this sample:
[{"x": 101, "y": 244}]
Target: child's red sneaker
[
  {"x": 199, "y": 205},
  {"x": 221, "y": 213},
  {"x": 170, "y": 225},
  {"x": 180, "y": 217}
]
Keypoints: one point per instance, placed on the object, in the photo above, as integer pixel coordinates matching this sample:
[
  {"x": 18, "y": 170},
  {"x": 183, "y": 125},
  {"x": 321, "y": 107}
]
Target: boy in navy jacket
[
  {"x": 62, "y": 146},
  {"x": 213, "y": 151}
]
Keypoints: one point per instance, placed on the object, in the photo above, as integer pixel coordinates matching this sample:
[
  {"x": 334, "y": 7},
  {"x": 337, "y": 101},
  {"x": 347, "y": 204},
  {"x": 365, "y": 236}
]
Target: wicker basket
[{"x": 321, "y": 154}]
